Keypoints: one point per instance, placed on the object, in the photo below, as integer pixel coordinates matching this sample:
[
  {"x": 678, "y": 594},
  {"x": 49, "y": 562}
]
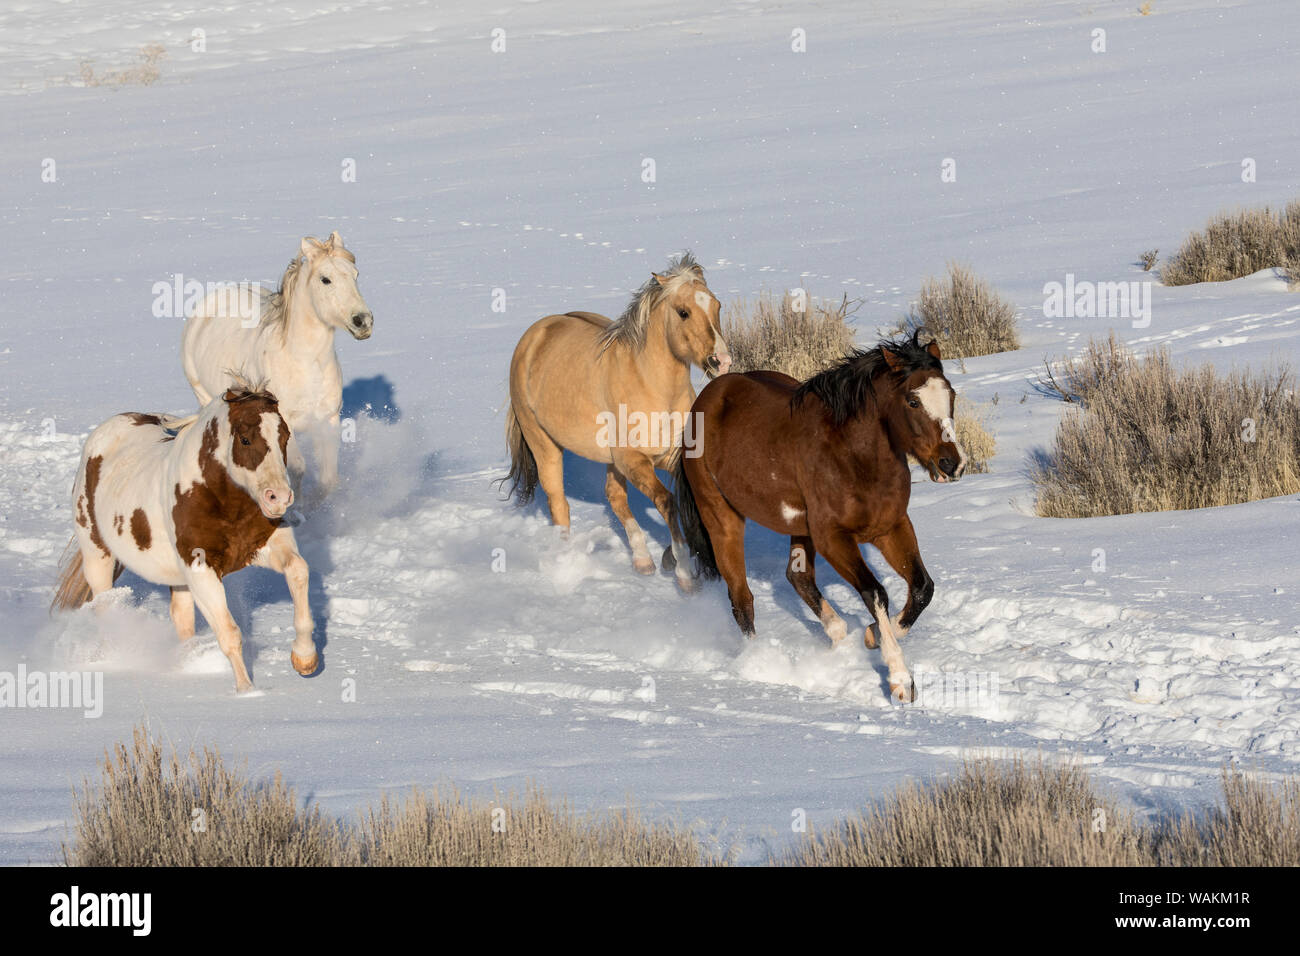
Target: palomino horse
[
  {"x": 184, "y": 502},
  {"x": 285, "y": 339},
  {"x": 826, "y": 463},
  {"x": 617, "y": 393}
]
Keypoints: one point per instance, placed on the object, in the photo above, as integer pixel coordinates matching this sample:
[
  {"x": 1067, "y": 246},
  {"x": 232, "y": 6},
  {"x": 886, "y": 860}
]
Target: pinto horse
[
  {"x": 184, "y": 502},
  {"x": 615, "y": 392},
  {"x": 285, "y": 339},
  {"x": 826, "y": 463}
]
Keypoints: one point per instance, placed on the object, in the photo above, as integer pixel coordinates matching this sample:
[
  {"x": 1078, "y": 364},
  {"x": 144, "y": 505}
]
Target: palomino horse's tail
[
  {"x": 688, "y": 513},
  {"x": 73, "y": 590},
  {"x": 523, "y": 466}
]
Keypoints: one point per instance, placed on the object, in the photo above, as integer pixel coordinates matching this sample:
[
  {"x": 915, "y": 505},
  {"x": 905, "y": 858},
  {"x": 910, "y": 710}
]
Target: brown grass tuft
[
  {"x": 1150, "y": 437},
  {"x": 144, "y": 73},
  {"x": 971, "y": 421},
  {"x": 1237, "y": 244}
]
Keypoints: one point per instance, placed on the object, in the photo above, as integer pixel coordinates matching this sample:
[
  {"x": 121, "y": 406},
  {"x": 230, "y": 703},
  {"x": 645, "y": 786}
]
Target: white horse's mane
[
  {"x": 630, "y": 327},
  {"x": 275, "y": 308}
]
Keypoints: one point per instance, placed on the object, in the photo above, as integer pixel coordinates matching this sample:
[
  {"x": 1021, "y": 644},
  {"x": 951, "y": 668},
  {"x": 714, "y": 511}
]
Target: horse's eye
[
  {"x": 684, "y": 313},
  {"x": 913, "y": 403},
  {"x": 325, "y": 280},
  {"x": 245, "y": 441}
]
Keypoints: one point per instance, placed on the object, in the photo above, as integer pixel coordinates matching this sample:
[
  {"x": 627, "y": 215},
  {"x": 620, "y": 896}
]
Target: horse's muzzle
[
  {"x": 716, "y": 365},
  {"x": 361, "y": 325}
]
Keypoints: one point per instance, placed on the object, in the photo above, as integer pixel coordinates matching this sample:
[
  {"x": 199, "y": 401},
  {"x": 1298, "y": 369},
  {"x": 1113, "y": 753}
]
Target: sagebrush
[
  {"x": 1147, "y": 436},
  {"x": 792, "y": 335},
  {"x": 1236, "y": 244},
  {"x": 965, "y": 315}
]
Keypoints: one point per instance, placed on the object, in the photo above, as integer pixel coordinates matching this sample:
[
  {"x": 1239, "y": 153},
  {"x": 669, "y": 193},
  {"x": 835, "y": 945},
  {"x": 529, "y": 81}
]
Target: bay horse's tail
[
  {"x": 523, "y": 466},
  {"x": 688, "y": 513},
  {"x": 73, "y": 590}
]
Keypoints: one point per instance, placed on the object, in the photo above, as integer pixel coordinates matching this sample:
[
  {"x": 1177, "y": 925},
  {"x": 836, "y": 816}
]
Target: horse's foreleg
[
  {"x": 841, "y": 550},
  {"x": 325, "y": 438},
  {"x": 295, "y": 464},
  {"x": 801, "y": 574},
  {"x": 210, "y": 595},
  {"x": 616, "y": 492},
  {"x": 282, "y": 555},
  {"x": 899, "y": 548},
  {"x": 640, "y": 470},
  {"x": 182, "y": 612}
]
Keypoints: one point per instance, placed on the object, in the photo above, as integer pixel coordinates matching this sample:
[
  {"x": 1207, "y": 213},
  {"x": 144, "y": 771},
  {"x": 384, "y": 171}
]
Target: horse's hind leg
[
  {"x": 182, "y": 611},
  {"x": 801, "y": 574},
  {"x": 550, "y": 466},
  {"x": 841, "y": 550},
  {"x": 726, "y": 528},
  {"x": 616, "y": 492},
  {"x": 900, "y": 550}
]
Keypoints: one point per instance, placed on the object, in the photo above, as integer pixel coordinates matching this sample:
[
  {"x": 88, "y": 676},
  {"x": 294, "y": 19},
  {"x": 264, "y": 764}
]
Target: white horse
[
  {"x": 184, "y": 502},
  {"x": 285, "y": 339}
]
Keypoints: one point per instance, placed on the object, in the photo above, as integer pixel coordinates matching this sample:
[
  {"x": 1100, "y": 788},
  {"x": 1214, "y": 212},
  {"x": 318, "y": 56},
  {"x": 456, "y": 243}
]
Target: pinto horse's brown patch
[
  {"x": 217, "y": 522},
  {"x": 140, "y": 418},
  {"x": 140, "y": 530},
  {"x": 86, "y": 506}
]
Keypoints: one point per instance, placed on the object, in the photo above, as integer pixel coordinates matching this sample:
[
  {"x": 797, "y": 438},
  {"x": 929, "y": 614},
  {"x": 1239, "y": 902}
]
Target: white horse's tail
[{"x": 174, "y": 423}]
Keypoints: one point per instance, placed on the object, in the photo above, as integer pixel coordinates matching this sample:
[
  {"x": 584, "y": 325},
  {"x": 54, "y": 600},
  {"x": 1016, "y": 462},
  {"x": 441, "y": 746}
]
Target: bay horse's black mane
[{"x": 845, "y": 388}]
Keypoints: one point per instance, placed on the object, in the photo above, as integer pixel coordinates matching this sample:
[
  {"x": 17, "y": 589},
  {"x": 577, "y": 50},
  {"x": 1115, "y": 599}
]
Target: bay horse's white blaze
[
  {"x": 286, "y": 340},
  {"x": 939, "y": 401},
  {"x": 184, "y": 503}
]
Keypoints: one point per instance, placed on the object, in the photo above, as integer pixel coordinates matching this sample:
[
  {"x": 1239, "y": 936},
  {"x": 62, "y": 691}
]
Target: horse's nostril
[{"x": 947, "y": 466}]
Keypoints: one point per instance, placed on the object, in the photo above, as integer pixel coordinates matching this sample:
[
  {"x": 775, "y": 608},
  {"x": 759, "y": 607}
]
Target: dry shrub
[
  {"x": 990, "y": 815},
  {"x": 971, "y": 421},
  {"x": 142, "y": 814},
  {"x": 144, "y": 73},
  {"x": 1237, "y": 244},
  {"x": 778, "y": 336},
  {"x": 1149, "y": 259},
  {"x": 965, "y": 315},
  {"x": 433, "y": 830},
  {"x": 1150, "y": 437},
  {"x": 1256, "y": 825}
]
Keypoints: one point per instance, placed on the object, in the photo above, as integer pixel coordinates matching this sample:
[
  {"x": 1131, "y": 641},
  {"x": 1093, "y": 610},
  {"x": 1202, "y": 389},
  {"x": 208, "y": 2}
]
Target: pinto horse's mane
[
  {"x": 845, "y": 388},
  {"x": 630, "y": 327}
]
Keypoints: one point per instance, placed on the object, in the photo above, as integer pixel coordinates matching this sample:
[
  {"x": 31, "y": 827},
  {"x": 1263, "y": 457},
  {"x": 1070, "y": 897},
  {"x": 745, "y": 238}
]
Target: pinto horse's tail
[
  {"x": 73, "y": 590},
  {"x": 523, "y": 466},
  {"x": 688, "y": 513}
]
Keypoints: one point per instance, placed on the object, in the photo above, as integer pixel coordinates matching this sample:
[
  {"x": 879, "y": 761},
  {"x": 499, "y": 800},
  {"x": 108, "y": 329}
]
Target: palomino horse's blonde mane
[
  {"x": 630, "y": 327},
  {"x": 275, "y": 312}
]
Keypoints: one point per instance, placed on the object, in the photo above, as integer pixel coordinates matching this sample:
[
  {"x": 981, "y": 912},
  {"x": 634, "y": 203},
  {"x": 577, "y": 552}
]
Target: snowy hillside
[{"x": 522, "y": 170}]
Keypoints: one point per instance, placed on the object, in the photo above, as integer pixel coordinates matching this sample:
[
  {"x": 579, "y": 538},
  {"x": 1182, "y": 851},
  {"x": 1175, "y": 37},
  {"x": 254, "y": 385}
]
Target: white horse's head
[{"x": 331, "y": 285}]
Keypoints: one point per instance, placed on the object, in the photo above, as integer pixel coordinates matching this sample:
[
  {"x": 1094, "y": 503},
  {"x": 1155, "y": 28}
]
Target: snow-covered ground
[{"x": 521, "y": 170}]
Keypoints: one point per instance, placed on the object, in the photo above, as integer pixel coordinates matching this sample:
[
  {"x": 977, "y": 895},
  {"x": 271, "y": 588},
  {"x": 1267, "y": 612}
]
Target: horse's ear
[
  {"x": 662, "y": 280},
  {"x": 933, "y": 349},
  {"x": 230, "y": 396},
  {"x": 311, "y": 246},
  {"x": 892, "y": 359},
  {"x": 335, "y": 241}
]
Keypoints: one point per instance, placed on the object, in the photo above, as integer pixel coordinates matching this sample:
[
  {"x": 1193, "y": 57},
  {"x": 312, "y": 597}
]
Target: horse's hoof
[
  {"x": 670, "y": 560},
  {"x": 305, "y": 667},
  {"x": 871, "y": 638},
  {"x": 904, "y": 694},
  {"x": 644, "y": 565},
  {"x": 687, "y": 584},
  {"x": 243, "y": 686}
]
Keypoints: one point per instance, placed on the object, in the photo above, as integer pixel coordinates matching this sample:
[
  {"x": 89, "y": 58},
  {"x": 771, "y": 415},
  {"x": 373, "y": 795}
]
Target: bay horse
[
  {"x": 185, "y": 502},
  {"x": 615, "y": 392},
  {"x": 824, "y": 462},
  {"x": 286, "y": 340}
]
